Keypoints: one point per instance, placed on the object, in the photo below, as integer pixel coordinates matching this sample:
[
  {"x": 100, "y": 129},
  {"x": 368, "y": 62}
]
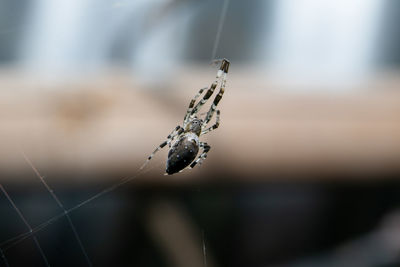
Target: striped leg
[
  {"x": 223, "y": 70},
  {"x": 214, "y": 105},
  {"x": 207, "y": 95},
  {"x": 221, "y": 74},
  {"x": 215, "y": 126},
  {"x": 191, "y": 105},
  {"x": 203, "y": 155},
  {"x": 177, "y": 131}
]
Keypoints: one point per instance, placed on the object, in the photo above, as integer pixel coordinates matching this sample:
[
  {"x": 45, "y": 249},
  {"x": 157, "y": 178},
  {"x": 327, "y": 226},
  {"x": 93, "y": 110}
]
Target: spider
[{"x": 187, "y": 145}]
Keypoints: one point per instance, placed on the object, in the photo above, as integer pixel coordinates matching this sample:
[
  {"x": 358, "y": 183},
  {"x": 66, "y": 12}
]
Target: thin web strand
[
  {"x": 7, "y": 244},
  {"x": 213, "y": 56},
  {"x": 204, "y": 249},
  {"x": 51, "y": 191},
  {"x": 4, "y": 258},
  {"x": 14, "y": 241},
  {"x": 26, "y": 223},
  {"x": 219, "y": 29}
]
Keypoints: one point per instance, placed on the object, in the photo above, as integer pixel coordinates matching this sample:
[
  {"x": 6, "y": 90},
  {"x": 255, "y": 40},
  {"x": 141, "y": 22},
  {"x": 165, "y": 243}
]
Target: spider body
[{"x": 184, "y": 150}]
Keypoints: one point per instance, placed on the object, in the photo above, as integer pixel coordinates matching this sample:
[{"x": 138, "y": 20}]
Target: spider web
[
  {"x": 27, "y": 225},
  {"x": 7, "y": 244},
  {"x": 32, "y": 231}
]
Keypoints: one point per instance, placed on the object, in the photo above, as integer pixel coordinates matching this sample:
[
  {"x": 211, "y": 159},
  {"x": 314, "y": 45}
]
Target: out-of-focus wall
[{"x": 303, "y": 169}]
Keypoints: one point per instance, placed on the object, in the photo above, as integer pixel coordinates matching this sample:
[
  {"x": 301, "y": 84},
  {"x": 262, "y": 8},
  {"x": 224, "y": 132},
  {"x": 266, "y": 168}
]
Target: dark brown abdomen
[{"x": 181, "y": 155}]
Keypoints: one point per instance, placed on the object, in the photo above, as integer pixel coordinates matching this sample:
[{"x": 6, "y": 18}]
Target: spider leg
[
  {"x": 214, "y": 105},
  {"x": 207, "y": 95},
  {"x": 215, "y": 126},
  {"x": 177, "y": 131},
  {"x": 221, "y": 74},
  {"x": 223, "y": 68},
  {"x": 202, "y": 156},
  {"x": 191, "y": 105}
]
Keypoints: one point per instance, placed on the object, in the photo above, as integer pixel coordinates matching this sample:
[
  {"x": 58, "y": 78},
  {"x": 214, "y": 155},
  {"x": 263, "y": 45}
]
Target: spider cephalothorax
[
  {"x": 194, "y": 126},
  {"x": 184, "y": 151}
]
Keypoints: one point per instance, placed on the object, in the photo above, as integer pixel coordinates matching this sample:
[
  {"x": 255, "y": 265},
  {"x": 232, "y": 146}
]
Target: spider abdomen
[{"x": 182, "y": 153}]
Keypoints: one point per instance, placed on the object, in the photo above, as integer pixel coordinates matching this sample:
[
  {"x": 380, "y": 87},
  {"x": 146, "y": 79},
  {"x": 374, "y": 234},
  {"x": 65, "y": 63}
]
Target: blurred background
[{"x": 304, "y": 168}]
